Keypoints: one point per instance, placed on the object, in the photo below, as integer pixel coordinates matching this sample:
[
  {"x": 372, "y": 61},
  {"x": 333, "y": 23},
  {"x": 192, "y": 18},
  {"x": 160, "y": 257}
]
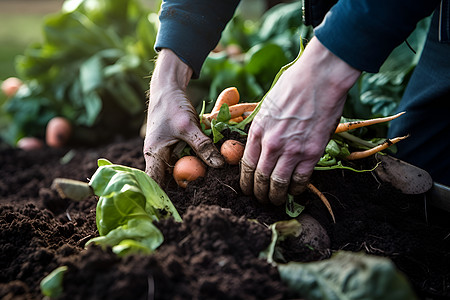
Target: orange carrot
[
  {"x": 322, "y": 197},
  {"x": 246, "y": 114},
  {"x": 363, "y": 154},
  {"x": 357, "y": 124},
  {"x": 235, "y": 110},
  {"x": 229, "y": 96},
  {"x": 237, "y": 119}
]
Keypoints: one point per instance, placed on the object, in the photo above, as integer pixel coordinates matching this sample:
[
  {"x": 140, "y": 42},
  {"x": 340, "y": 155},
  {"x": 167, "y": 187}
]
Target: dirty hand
[
  {"x": 172, "y": 118},
  {"x": 290, "y": 132}
]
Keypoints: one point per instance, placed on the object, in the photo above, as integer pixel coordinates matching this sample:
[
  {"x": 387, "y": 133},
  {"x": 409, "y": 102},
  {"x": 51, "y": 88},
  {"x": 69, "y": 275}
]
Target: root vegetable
[
  {"x": 11, "y": 85},
  {"x": 235, "y": 110},
  {"x": 228, "y": 96},
  {"x": 232, "y": 151},
  {"x": 233, "y": 50},
  {"x": 313, "y": 233},
  {"x": 322, "y": 198},
  {"x": 357, "y": 124},
  {"x": 30, "y": 143},
  {"x": 366, "y": 153},
  {"x": 58, "y": 132},
  {"x": 187, "y": 169},
  {"x": 237, "y": 119}
]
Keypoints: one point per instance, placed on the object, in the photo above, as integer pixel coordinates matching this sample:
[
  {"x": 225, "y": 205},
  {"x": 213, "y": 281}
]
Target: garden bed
[{"x": 213, "y": 253}]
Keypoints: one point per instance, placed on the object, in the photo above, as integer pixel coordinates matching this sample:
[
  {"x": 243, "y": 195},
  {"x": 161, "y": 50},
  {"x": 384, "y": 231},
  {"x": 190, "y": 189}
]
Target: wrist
[
  {"x": 171, "y": 71},
  {"x": 336, "y": 73}
]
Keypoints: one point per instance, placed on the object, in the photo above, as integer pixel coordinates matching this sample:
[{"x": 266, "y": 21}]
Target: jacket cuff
[
  {"x": 193, "y": 29},
  {"x": 364, "y": 33}
]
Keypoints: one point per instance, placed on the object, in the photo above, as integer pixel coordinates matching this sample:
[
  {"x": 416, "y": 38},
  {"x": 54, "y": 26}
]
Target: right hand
[
  {"x": 290, "y": 132},
  {"x": 172, "y": 118}
]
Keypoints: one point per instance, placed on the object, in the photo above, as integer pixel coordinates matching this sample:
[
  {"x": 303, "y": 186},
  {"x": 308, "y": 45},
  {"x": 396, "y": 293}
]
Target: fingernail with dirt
[{"x": 215, "y": 160}]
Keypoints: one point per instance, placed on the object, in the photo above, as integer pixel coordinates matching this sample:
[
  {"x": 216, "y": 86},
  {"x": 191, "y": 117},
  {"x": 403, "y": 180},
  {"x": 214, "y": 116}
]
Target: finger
[
  {"x": 246, "y": 177},
  {"x": 204, "y": 147},
  {"x": 278, "y": 192},
  {"x": 281, "y": 177},
  {"x": 261, "y": 186},
  {"x": 300, "y": 178},
  {"x": 156, "y": 164},
  {"x": 249, "y": 161},
  {"x": 266, "y": 164}
]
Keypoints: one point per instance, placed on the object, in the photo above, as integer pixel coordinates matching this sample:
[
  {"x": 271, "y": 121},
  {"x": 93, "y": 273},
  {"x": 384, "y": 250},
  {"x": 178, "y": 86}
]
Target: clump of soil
[{"x": 213, "y": 253}]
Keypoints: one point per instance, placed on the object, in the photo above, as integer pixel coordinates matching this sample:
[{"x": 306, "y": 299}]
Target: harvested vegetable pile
[{"x": 214, "y": 252}]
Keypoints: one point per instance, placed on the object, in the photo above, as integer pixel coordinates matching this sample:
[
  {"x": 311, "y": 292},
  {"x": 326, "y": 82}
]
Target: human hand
[
  {"x": 290, "y": 132},
  {"x": 171, "y": 118}
]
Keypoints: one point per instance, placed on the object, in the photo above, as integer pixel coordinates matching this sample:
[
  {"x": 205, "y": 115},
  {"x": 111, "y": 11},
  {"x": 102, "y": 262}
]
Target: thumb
[{"x": 205, "y": 148}]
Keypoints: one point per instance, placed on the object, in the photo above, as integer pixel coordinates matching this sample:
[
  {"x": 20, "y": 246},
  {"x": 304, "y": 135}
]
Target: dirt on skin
[{"x": 213, "y": 253}]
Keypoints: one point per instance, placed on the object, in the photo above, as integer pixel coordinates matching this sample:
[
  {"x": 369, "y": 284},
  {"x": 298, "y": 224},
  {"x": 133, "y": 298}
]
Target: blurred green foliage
[{"x": 92, "y": 67}]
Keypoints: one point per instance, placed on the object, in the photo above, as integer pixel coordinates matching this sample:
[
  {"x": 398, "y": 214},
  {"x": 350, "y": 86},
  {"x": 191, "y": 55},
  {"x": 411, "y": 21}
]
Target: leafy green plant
[
  {"x": 129, "y": 202},
  {"x": 91, "y": 68}
]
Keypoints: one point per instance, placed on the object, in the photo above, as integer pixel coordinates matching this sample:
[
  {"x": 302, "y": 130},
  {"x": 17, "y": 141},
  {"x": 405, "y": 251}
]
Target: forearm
[
  {"x": 335, "y": 73},
  {"x": 170, "y": 71}
]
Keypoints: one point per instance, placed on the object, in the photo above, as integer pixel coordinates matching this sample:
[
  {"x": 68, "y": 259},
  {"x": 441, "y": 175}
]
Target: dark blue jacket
[{"x": 361, "y": 32}]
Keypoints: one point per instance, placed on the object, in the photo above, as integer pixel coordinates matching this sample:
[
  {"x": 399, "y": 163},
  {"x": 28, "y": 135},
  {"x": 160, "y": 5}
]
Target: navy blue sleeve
[
  {"x": 364, "y": 32},
  {"x": 191, "y": 29}
]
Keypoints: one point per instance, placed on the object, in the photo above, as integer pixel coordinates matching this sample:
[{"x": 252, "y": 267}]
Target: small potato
[
  {"x": 58, "y": 132},
  {"x": 30, "y": 143},
  {"x": 187, "y": 169},
  {"x": 11, "y": 85},
  {"x": 232, "y": 151}
]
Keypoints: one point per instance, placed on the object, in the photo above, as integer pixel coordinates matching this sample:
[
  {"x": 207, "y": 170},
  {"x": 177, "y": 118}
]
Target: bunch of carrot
[
  {"x": 238, "y": 111},
  {"x": 342, "y": 127}
]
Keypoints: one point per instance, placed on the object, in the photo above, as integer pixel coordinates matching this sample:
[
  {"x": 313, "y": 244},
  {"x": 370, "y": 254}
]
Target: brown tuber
[
  {"x": 187, "y": 169},
  {"x": 30, "y": 143},
  {"x": 11, "y": 85},
  {"x": 232, "y": 151},
  {"x": 58, "y": 132}
]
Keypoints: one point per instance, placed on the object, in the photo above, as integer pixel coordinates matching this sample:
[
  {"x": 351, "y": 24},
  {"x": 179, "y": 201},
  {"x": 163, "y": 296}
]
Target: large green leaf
[
  {"x": 264, "y": 61},
  {"x": 348, "y": 276}
]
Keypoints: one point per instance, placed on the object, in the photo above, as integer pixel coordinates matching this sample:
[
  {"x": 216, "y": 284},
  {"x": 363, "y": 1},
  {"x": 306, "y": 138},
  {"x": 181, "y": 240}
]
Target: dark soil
[{"x": 213, "y": 253}]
